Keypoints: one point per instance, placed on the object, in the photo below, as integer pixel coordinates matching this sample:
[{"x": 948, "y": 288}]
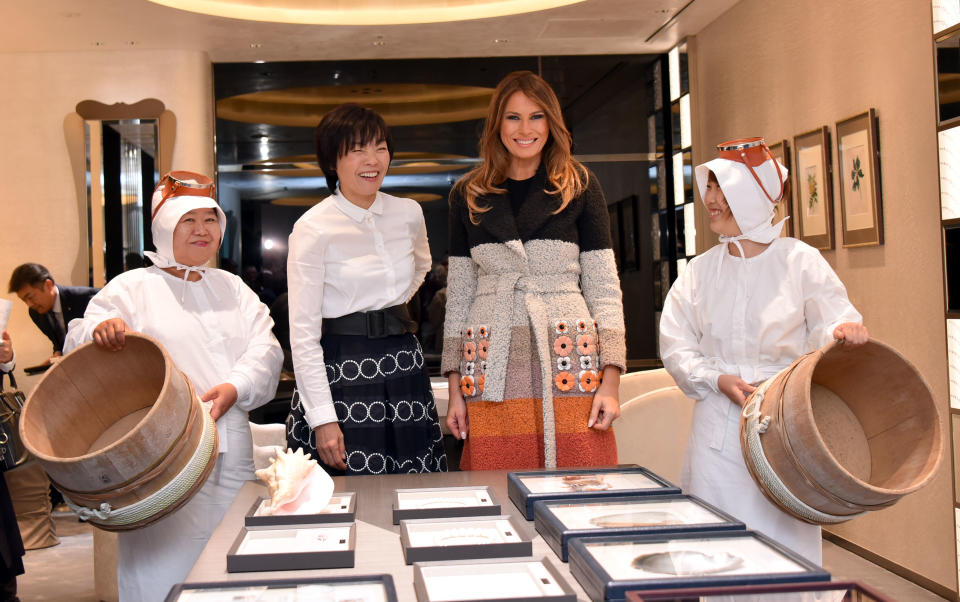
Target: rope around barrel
[
  {"x": 167, "y": 495},
  {"x": 755, "y": 426}
]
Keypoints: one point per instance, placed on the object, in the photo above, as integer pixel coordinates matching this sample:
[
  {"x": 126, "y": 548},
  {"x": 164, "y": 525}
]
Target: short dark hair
[
  {"x": 343, "y": 128},
  {"x": 33, "y": 274}
]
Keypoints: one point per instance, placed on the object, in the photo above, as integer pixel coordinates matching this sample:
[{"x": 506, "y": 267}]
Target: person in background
[
  {"x": 218, "y": 333},
  {"x": 11, "y": 544},
  {"x": 737, "y": 315},
  {"x": 363, "y": 403},
  {"x": 52, "y": 306},
  {"x": 534, "y": 340}
]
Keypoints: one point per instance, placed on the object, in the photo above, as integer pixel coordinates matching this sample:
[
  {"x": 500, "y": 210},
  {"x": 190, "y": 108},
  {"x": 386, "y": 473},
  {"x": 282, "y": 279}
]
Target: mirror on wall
[
  {"x": 119, "y": 152},
  {"x": 118, "y": 197}
]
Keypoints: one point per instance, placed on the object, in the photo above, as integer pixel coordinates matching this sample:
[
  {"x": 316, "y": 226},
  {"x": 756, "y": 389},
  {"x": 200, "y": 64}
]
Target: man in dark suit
[{"x": 51, "y": 306}]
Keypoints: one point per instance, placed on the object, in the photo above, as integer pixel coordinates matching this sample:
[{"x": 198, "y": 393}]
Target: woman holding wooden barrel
[
  {"x": 218, "y": 333},
  {"x": 739, "y": 314}
]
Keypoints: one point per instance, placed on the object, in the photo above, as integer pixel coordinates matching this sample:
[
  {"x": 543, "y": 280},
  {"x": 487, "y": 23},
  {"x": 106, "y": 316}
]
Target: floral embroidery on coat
[
  {"x": 564, "y": 381},
  {"x": 588, "y": 381},
  {"x": 582, "y": 368},
  {"x": 585, "y": 345},
  {"x": 466, "y": 386},
  {"x": 563, "y": 346}
]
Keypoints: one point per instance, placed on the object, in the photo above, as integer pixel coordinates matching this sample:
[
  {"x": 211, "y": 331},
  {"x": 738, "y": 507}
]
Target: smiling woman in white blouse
[
  {"x": 740, "y": 313},
  {"x": 363, "y": 403}
]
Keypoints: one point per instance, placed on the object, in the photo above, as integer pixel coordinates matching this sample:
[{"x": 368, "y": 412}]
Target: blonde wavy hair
[{"x": 566, "y": 175}]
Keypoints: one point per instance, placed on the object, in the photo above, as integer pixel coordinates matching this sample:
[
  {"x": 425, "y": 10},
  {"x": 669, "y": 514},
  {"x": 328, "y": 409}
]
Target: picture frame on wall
[
  {"x": 814, "y": 185},
  {"x": 781, "y": 152},
  {"x": 858, "y": 159}
]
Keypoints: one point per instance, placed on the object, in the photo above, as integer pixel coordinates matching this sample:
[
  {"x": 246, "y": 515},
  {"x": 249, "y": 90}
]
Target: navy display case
[
  {"x": 525, "y": 488},
  {"x": 608, "y": 567},
  {"x": 559, "y": 521}
]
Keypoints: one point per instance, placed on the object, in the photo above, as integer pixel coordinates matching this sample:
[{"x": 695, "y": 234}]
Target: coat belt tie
[{"x": 531, "y": 288}]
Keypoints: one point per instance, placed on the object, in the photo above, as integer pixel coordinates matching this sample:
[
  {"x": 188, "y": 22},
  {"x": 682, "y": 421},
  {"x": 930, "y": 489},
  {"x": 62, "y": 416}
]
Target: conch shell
[{"x": 296, "y": 483}]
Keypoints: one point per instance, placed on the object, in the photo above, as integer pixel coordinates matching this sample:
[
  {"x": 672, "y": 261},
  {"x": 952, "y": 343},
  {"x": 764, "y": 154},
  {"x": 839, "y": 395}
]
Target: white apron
[
  {"x": 750, "y": 318},
  {"x": 714, "y": 470}
]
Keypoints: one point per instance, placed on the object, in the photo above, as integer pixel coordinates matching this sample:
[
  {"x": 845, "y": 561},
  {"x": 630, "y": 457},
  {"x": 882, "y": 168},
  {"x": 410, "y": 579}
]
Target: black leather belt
[{"x": 375, "y": 324}]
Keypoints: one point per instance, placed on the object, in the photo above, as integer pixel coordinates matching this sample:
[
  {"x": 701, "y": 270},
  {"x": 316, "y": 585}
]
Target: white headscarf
[
  {"x": 750, "y": 206},
  {"x": 167, "y": 211}
]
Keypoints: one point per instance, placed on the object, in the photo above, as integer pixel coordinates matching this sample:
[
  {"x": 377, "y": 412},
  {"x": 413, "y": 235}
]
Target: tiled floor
[{"x": 65, "y": 572}]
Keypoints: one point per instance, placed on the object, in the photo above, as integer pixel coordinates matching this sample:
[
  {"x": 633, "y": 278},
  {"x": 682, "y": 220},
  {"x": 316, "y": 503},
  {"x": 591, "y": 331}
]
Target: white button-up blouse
[
  {"x": 344, "y": 259},
  {"x": 752, "y": 318}
]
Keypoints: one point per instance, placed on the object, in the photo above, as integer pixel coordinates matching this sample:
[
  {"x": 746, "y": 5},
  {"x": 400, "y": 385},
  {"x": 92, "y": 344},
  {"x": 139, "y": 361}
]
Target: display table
[{"x": 378, "y": 547}]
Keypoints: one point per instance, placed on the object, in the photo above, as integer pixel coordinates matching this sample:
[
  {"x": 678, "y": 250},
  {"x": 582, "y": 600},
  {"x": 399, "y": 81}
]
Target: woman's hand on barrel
[
  {"x": 110, "y": 334},
  {"x": 735, "y": 388},
  {"x": 330, "y": 445},
  {"x": 851, "y": 334},
  {"x": 606, "y": 401},
  {"x": 223, "y": 397},
  {"x": 456, "y": 408}
]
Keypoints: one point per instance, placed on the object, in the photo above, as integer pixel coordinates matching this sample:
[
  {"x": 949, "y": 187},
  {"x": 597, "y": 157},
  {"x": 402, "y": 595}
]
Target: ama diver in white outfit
[
  {"x": 737, "y": 315},
  {"x": 218, "y": 333}
]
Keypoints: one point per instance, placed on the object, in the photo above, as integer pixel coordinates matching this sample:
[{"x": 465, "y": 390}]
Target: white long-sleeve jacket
[{"x": 750, "y": 317}]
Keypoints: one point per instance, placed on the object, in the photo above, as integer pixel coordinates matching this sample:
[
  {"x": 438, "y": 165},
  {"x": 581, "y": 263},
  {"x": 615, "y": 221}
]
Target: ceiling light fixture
[
  {"x": 399, "y": 104},
  {"x": 362, "y": 12}
]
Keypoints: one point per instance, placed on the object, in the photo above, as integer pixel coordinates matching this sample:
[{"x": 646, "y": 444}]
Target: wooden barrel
[
  {"x": 851, "y": 430},
  {"x": 121, "y": 433}
]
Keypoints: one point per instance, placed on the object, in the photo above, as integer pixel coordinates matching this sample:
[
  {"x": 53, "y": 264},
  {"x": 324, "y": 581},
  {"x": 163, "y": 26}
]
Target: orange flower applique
[
  {"x": 466, "y": 386},
  {"x": 482, "y": 348},
  {"x": 561, "y": 327},
  {"x": 585, "y": 345},
  {"x": 468, "y": 333},
  {"x": 480, "y": 382},
  {"x": 563, "y": 346},
  {"x": 483, "y": 331},
  {"x": 588, "y": 381},
  {"x": 581, "y": 326},
  {"x": 469, "y": 351},
  {"x": 564, "y": 381}
]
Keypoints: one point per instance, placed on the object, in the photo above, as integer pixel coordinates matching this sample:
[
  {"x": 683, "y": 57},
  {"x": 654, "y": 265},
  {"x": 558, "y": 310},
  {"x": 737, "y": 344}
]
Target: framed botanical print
[
  {"x": 858, "y": 157},
  {"x": 781, "y": 152},
  {"x": 814, "y": 186}
]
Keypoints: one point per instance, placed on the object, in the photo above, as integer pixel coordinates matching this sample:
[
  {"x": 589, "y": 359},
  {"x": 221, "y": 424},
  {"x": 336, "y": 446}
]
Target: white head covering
[
  {"x": 751, "y": 208},
  {"x": 168, "y": 205}
]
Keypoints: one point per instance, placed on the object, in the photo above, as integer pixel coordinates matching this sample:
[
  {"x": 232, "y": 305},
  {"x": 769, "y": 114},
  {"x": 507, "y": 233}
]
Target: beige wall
[
  {"x": 778, "y": 69},
  {"x": 39, "y": 212}
]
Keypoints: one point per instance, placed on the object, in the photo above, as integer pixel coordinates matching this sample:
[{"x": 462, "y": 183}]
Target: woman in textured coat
[{"x": 534, "y": 336}]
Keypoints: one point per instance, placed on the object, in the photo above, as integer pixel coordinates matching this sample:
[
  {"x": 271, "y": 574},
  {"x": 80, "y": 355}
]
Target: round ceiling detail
[
  {"x": 399, "y": 104},
  {"x": 362, "y": 12}
]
